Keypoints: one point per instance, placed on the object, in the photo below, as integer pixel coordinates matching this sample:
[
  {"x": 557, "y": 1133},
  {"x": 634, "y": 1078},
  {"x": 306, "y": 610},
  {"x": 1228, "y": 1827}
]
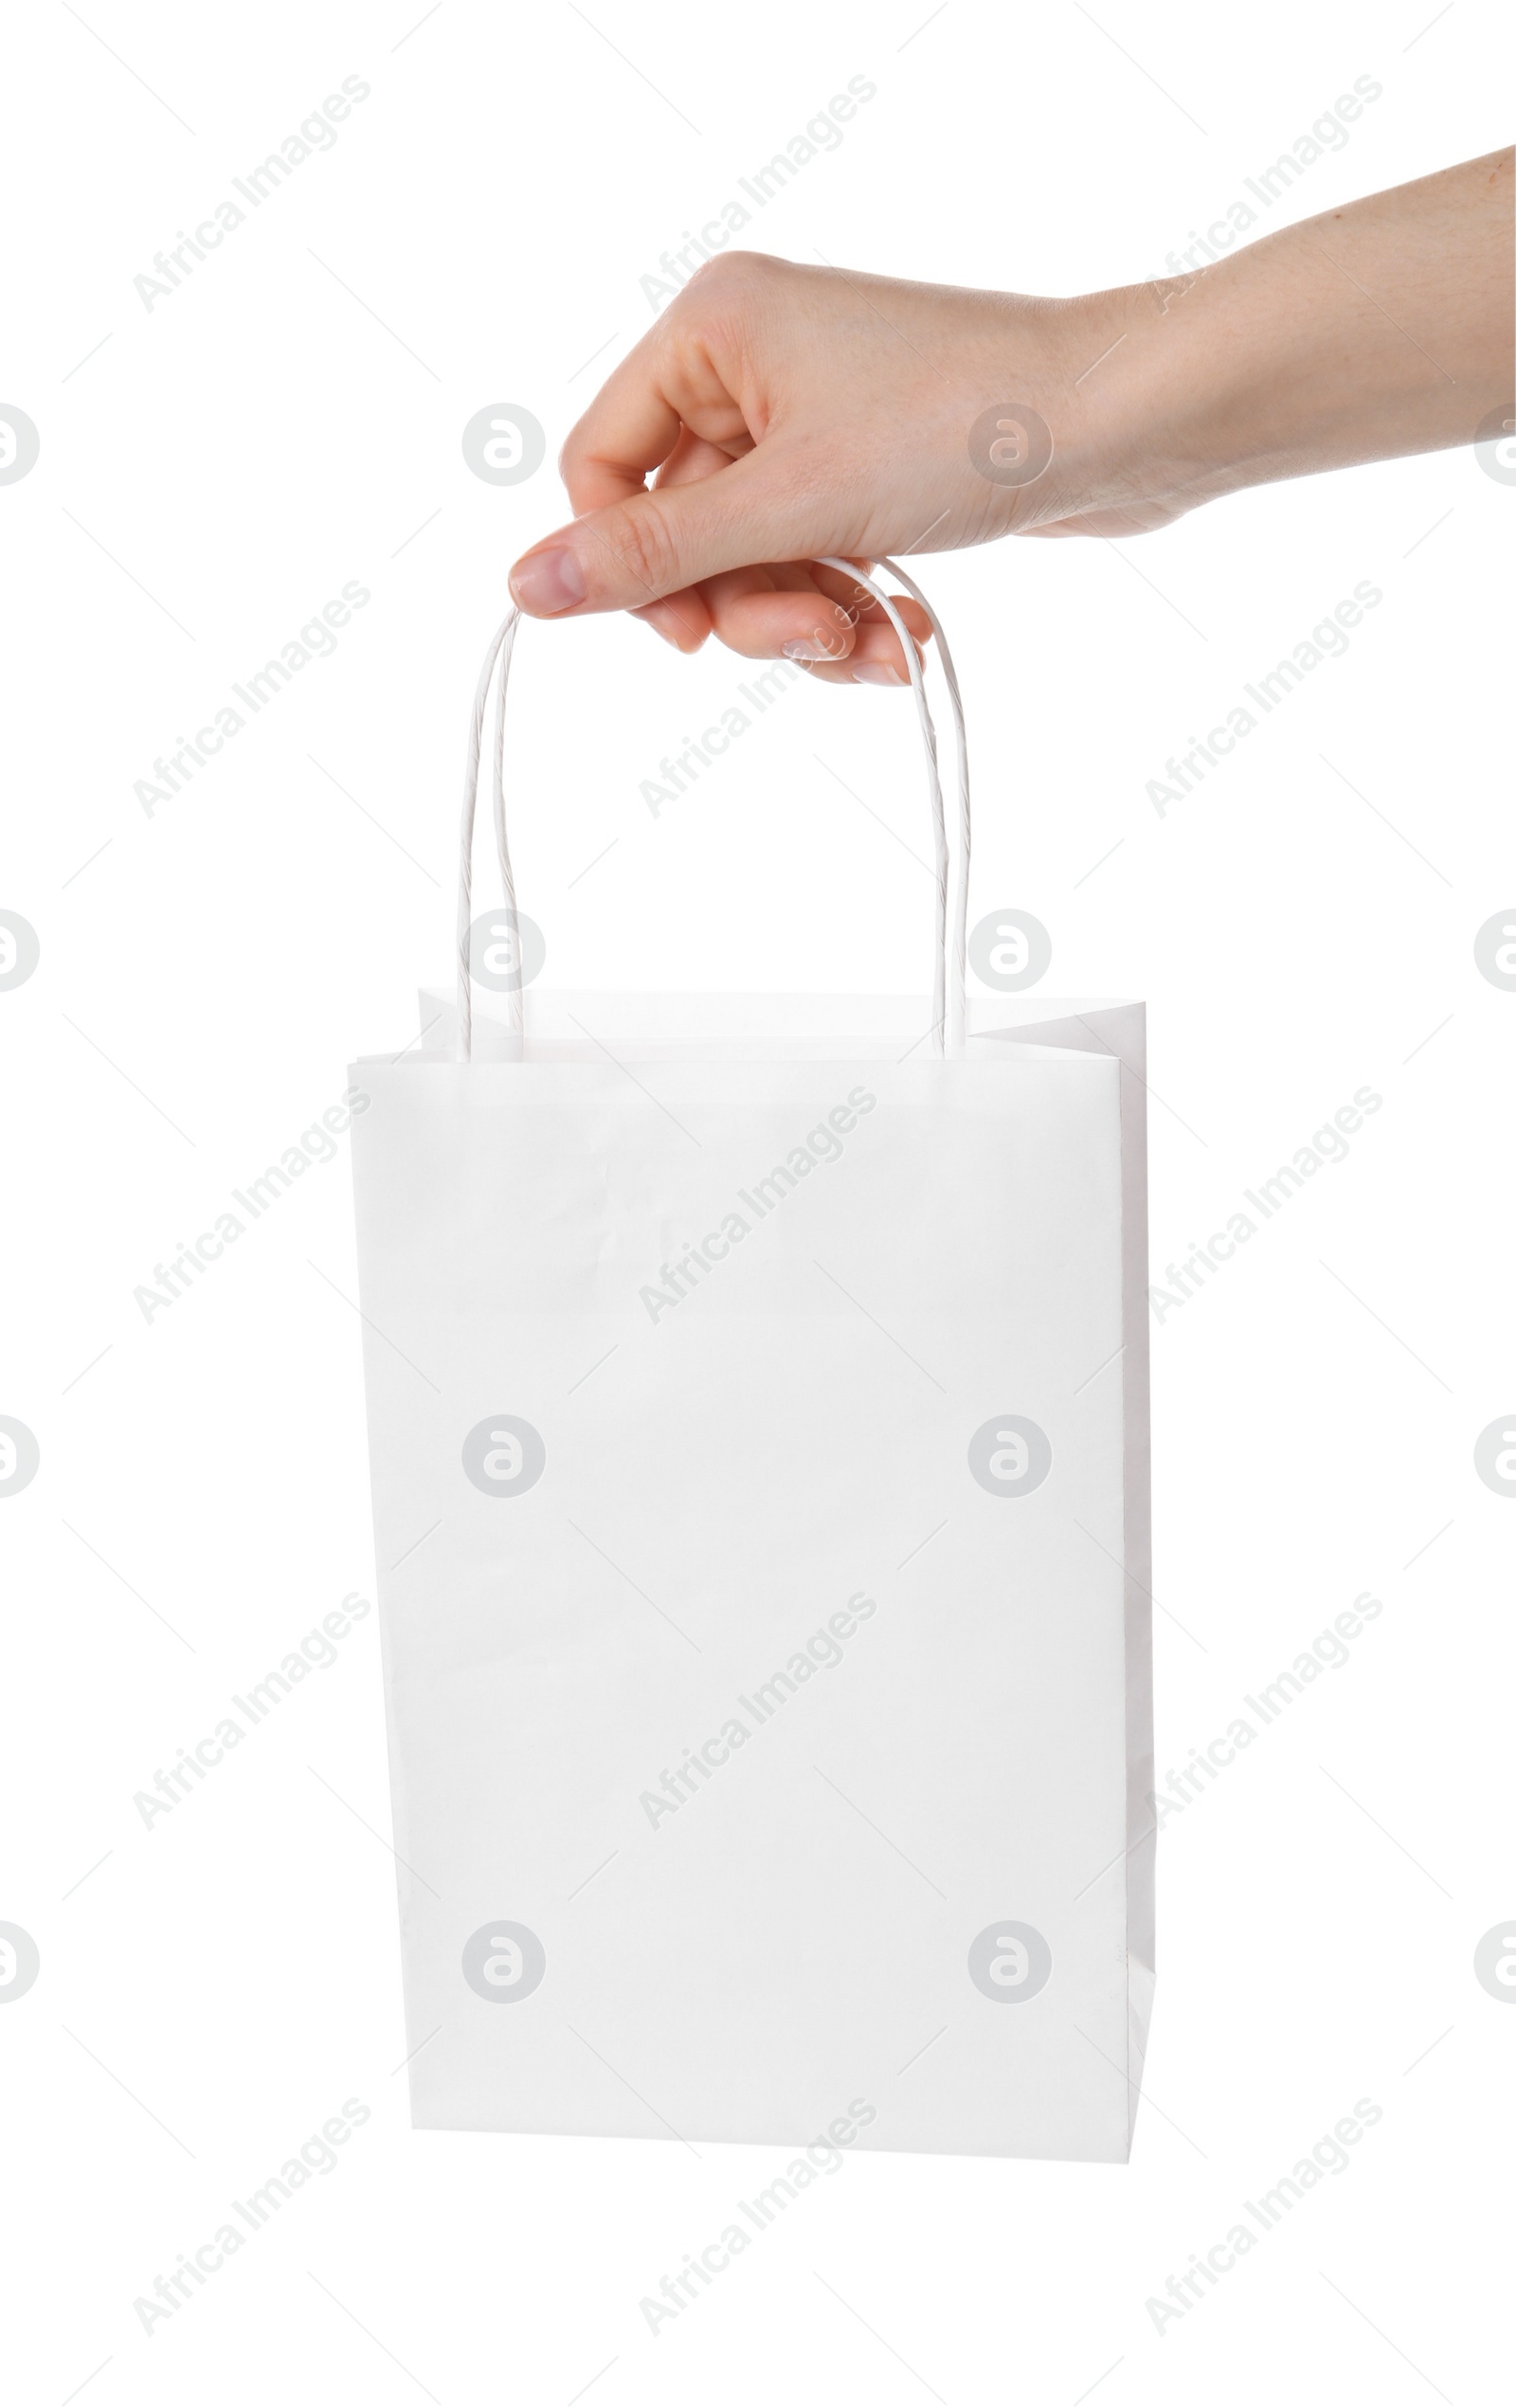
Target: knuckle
[
  {"x": 727, "y": 268},
  {"x": 638, "y": 535},
  {"x": 724, "y": 286},
  {"x": 573, "y": 456},
  {"x": 711, "y": 274}
]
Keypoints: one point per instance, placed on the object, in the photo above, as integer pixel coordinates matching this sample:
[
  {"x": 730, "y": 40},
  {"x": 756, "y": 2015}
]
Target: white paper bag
[{"x": 758, "y": 1421}]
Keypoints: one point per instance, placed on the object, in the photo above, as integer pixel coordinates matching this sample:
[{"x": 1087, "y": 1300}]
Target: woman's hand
[
  {"x": 790, "y": 412},
  {"x": 787, "y": 412}
]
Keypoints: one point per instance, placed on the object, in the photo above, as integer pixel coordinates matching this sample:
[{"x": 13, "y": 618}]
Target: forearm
[{"x": 1379, "y": 328}]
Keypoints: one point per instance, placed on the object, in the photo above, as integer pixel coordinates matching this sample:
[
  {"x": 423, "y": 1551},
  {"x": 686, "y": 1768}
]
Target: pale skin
[{"x": 777, "y": 413}]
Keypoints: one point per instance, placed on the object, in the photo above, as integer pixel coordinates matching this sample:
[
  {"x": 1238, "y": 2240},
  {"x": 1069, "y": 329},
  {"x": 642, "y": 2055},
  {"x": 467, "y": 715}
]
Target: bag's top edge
[{"x": 567, "y": 1025}]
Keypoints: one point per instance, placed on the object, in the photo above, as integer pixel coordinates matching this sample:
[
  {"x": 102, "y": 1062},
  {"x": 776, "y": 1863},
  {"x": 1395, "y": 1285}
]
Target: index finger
[{"x": 635, "y": 421}]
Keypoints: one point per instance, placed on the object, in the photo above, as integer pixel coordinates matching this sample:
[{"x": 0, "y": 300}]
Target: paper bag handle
[{"x": 501, "y": 646}]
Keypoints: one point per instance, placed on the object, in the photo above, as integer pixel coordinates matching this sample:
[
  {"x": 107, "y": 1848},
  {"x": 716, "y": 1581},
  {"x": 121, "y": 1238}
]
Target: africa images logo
[{"x": 821, "y": 1145}]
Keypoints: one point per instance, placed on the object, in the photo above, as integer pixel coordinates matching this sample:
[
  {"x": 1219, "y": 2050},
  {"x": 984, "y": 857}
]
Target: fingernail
[
  {"x": 548, "y": 581},
  {"x": 877, "y": 672},
  {"x": 805, "y": 648}
]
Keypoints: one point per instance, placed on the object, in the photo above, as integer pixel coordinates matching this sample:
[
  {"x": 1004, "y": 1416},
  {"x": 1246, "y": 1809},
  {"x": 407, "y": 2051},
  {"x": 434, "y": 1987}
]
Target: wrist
[
  {"x": 1375, "y": 330},
  {"x": 1153, "y": 417}
]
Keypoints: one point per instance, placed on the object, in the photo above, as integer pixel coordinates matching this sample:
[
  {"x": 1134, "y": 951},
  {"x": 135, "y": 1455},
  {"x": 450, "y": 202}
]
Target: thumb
[{"x": 635, "y": 551}]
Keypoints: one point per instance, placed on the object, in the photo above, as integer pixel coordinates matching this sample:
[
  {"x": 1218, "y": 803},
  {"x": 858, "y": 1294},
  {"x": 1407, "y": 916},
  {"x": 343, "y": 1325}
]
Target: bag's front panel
[{"x": 747, "y": 1456}]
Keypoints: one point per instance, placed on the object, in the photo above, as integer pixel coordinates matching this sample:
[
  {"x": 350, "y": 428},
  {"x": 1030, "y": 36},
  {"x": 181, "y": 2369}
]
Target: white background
[{"x": 214, "y": 470}]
